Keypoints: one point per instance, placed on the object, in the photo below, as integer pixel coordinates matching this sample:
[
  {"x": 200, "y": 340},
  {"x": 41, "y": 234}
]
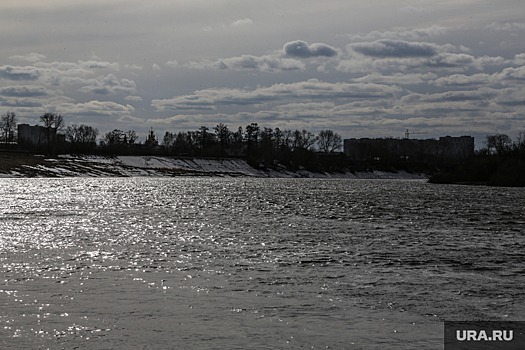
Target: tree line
[
  {"x": 259, "y": 145},
  {"x": 501, "y": 162}
]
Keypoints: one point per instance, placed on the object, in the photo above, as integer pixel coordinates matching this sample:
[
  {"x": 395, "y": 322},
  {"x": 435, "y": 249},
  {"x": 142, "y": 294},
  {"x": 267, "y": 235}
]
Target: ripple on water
[{"x": 253, "y": 262}]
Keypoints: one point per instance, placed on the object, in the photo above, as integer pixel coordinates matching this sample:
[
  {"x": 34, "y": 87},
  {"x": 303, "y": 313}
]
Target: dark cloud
[
  {"x": 264, "y": 63},
  {"x": 302, "y": 49},
  {"x": 19, "y": 103},
  {"x": 19, "y": 73},
  {"x": 411, "y": 34},
  {"x": 23, "y": 91},
  {"x": 395, "y": 48}
]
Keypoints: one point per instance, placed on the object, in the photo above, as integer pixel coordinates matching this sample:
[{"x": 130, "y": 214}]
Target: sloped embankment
[
  {"x": 23, "y": 165},
  {"x": 26, "y": 165}
]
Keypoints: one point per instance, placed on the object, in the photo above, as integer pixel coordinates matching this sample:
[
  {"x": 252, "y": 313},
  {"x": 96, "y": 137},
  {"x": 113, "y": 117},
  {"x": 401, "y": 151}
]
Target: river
[{"x": 242, "y": 263}]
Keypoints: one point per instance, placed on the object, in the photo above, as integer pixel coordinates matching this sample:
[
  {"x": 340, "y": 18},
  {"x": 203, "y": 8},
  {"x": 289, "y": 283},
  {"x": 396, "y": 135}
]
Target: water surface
[{"x": 211, "y": 263}]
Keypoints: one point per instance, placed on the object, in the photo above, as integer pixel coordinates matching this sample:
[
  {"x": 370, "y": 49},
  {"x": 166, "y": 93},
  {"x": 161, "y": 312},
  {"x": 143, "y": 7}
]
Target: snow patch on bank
[{"x": 100, "y": 166}]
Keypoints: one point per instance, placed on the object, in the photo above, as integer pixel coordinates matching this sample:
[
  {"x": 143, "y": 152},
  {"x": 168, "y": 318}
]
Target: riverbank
[
  {"x": 28, "y": 165},
  {"x": 485, "y": 171}
]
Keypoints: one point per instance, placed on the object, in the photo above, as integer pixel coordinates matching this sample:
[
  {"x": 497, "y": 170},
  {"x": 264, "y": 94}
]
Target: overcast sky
[{"x": 363, "y": 68}]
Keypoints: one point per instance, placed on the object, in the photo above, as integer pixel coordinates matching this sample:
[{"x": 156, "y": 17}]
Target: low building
[
  {"x": 36, "y": 136},
  {"x": 444, "y": 149},
  {"x": 28, "y": 135}
]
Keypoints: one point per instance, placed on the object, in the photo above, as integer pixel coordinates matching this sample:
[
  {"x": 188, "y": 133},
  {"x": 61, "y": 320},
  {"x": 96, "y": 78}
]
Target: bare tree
[
  {"x": 500, "y": 143},
  {"x": 8, "y": 126},
  {"x": 169, "y": 140},
  {"x": 223, "y": 135},
  {"x": 303, "y": 139},
  {"x": 329, "y": 141},
  {"x": 53, "y": 123},
  {"x": 130, "y": 137},
  {"x": 82, "y": 138}
]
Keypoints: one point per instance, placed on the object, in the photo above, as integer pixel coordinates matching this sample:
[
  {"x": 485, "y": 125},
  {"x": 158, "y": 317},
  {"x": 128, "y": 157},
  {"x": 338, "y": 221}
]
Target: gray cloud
[
  {"x": 210, "y": 99},
  {"x": 109, "y": 84},
  {"x": 266, "y": 63},
  {"x": 19, "y": 73},
  {"x": 94, "y": 108},
  {"x": 463, "y": 80},
  {"x": 30, "y": 57},
  {"x": 507, "y": 26},
  {"x": 451, "y": 60},
  {"x": 93, "y": 64},
  {"x": 410, "y": 34},
  {"x": 512, "y": 73},
  {"x": 20, "y": 103},
  {"x": 398, "y": 78},
  {"x": 302, "y": 49},
  {"x": 241, "y": 22},
  {"x": 395, "y": 48},
  {"x": 288, "y": 60},
  {"x": 23, "y": 91},
  {"x": 394, "y": 74}
]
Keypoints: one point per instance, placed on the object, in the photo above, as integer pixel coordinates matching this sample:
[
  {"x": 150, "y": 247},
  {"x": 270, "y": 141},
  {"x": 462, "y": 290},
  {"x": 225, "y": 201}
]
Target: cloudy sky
[{"x": 363, "y": 68}]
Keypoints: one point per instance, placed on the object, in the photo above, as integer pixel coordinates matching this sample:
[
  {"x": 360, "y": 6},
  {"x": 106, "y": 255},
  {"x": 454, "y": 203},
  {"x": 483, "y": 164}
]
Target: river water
[{"x": 214, "y": 263}]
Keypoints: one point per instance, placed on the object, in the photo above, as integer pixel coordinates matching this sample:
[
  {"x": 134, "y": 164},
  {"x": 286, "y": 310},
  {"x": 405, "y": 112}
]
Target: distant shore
[
  {"x": 16, "y": 164},
  {"x": 485, "y": 171}
]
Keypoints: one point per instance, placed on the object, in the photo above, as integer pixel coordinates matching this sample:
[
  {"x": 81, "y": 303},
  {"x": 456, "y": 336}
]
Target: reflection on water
[{"x": 254, "y": 263}]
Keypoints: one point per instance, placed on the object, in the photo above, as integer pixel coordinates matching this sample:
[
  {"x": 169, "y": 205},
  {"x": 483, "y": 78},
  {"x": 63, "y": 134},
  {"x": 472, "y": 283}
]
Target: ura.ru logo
[{"x": 494, "y": 335}]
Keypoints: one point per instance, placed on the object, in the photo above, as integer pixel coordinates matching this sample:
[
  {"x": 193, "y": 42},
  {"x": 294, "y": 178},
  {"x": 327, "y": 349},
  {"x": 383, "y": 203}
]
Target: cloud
[
  {"x": 286, "y": 60},
  {"x": 95, "y": 108},
  {"x": 93, "y": 64},
  {"x": 265, "y": 63},
  {"x": 19, "y": 73},
  {"x": 395, "y": 48},
  {"x": 450, "y": 60},
  {"x": 481, "y": 94},
  {"x": 262, "y": 63},
  {"x": 397, "y": 78},
  {"x": 512, "y": 98},
  {"x": 20, "y": 103},
  {"x": 23, "y": 91},
  {"x": 463, "y": 80},
  {"x": 133, "y": 98},
  {"x": 311, "y": 90},
  {"x": 413, "y": 9},
  {"x": 507, "y": 26},
  {"x": 109, "y": 84},
  {"x": 398, "y": 56},
  {"x": 408, "y": 34},
  {"x": 302, "y": 49},
  {"x": 30, "y": 57},
  {"x": 241, "y": 22},
  {"x": 519, "y": 59},
  {"x": 512, "y": 73}
]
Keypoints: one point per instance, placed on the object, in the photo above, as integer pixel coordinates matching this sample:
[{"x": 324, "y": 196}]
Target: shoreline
[{"x": 24, "y": 166}]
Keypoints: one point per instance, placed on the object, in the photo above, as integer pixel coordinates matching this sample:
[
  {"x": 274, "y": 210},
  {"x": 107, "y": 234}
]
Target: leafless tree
[
  {"x": 8, "y": 126},
  {"x": 53, "y": 123},
  {"x": 329, "y": 141},
  {"x": 500, "y": 143}
]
